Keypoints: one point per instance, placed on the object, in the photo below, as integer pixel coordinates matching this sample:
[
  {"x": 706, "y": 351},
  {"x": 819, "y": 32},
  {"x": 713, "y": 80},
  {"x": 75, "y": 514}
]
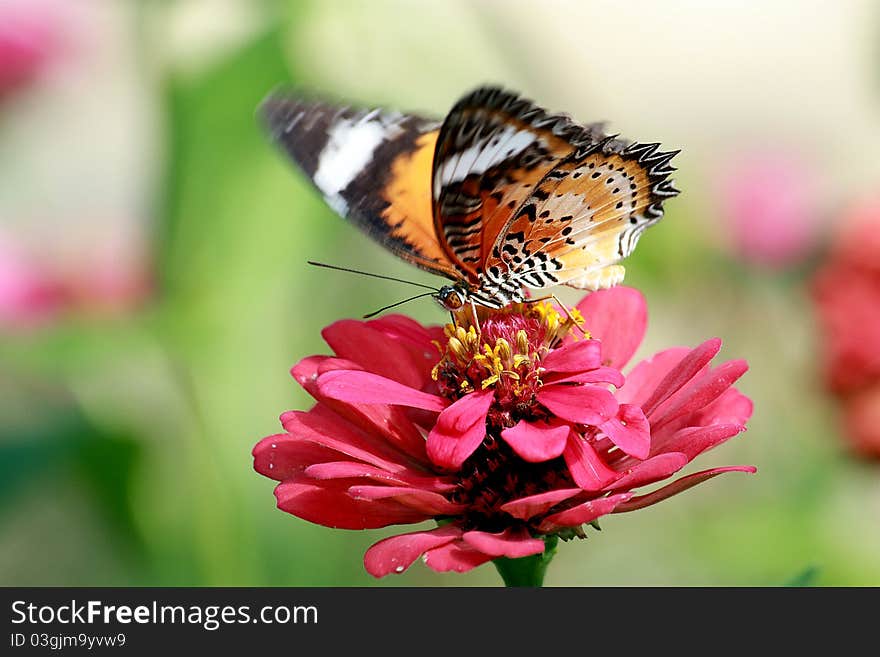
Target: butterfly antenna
[
  {"x": 399, "y": 303},
  {"x": 367, "y": 273}
]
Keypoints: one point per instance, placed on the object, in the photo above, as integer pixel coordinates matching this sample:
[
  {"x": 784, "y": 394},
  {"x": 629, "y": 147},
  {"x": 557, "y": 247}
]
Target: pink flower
[
  {"x": 28, "y": 39},
  {"x": 113, "y": 278},
  {"x": 523, "y": 430},
  {"x": 28, "y": 296},
  {"x": 768, "y": 203},
  {"x": 846, "y": 294},
  {"x": 861, "y": 416}
]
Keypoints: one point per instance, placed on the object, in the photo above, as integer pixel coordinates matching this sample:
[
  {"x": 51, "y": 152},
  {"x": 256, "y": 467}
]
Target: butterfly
[{"x": 499, "y": 196}]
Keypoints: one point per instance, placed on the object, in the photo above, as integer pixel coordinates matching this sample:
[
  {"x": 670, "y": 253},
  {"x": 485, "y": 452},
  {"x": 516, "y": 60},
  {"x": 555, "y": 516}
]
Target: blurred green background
[{"x": 162, "y": 242}]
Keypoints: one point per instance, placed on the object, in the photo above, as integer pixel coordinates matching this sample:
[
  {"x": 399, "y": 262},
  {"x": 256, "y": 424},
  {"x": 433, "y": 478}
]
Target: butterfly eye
[{"x": 450, "y": 298}]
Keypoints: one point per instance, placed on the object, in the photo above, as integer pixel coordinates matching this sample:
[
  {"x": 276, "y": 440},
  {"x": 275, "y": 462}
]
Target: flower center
[
  {"x": 494, "y": 475},
  {"x": 504, "y": 354}
]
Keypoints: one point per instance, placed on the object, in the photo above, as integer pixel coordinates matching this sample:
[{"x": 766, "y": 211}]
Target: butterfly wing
[
  {"x": 373, "y": 167},
  {"x": 585, "y": 216},
  {"x": 493, "y": 149}
]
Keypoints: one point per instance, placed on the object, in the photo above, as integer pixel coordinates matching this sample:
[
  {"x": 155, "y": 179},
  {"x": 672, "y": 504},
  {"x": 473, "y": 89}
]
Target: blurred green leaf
[
  {"x": 213, "y": 135},
  {"x": 107, "y": 464},
  {"x": 806, "y": 577},
  {"x": 239, "y": 225},
  {"x": 67, "y": 442}
]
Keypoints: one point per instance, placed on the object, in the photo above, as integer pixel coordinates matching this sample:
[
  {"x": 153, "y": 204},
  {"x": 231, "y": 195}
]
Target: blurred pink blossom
[
  {"x": 111, "y": 279},
  {"x": 29, "y": 38},
  {"x": 769, "y": 204},
  {"x": 861, "y": 417},
  {"x": 28, "y": 297},
  {"x": 846, "y": 295}
]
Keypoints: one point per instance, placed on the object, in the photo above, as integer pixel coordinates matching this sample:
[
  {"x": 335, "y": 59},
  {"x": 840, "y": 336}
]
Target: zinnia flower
[
  {"x": 522, "y": 430},
  {"x": 846, "y": 292}
]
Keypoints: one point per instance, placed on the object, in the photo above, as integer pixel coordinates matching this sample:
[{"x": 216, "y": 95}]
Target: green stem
[{"x": 527, "y": 571}]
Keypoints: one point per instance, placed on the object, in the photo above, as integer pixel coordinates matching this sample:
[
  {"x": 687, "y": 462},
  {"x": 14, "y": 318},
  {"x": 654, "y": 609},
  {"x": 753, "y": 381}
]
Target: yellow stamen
[
  {"x": 472, "y": 339},
  {"x": 522, "y": 342},
  {"x": 502, "y": 348},
  {"x": 457, "y": 348},
  {"x": 488, "y": 382}
]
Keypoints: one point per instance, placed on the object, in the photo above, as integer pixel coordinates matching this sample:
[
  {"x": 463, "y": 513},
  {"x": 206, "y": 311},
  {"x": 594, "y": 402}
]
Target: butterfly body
[{"x": 500, "y": 196}]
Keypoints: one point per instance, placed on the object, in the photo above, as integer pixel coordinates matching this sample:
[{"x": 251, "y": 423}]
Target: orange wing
[
  {"x": 493, "y": 150},
  {"x": 504, "y": 194},
  {"x": 585, "y": 216},
  {"x": 373, "y": 167}
]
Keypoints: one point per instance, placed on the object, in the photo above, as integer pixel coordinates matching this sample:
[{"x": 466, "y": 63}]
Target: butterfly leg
[
  {"x": 561, "y": 305},
  {"x": 475, "y": 318}
]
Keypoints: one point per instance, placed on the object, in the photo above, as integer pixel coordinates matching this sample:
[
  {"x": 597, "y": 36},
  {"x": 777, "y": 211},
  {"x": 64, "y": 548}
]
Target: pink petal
[
  {"x": 630, "y": 431},
  {"x": 678, "y": 486},
  {"x": 693, "y": 441},
  {"x": 646, "y": 376},
  {"x": 587, "y": 468},
  {"x": 536, "y": 442},
  {"x": 390, "y": 423},
  {"x": 702, "y": 392},
  {"x": 511, "y": 543},
  {"x": 732, "y": 407},
  {"x": 574, "y": 357},
  {"x": 397, "y": 553},
  {"x": 583, "y": 513},
  {"x": 328, "y": 503},
  {"x": 680, "y": 374},
  {"x": 598, "y": 375},
  {"x": 417, "y": 339},
  {"x": 420, "y": 339},
  {"x": 351, "y": 469},
  {"x": 457, "y": 557},
  {"x": 425, "y": 501},
  {"x": 582, "y": 404},
  {"x": 389, "y": 426},
  {"x": 373, "y": 351},
  {"x": 282, "y": 455},
  {"x": 654, "y": 469},
  {"x": 528, "y": 507},
  {"x": 618, "y": 317},
  {"x": 305, "y": 372},
  {"x": 460, "y": 429},
  {"x": 366, "y": 388},
  {"x": 333, "y": 432}
]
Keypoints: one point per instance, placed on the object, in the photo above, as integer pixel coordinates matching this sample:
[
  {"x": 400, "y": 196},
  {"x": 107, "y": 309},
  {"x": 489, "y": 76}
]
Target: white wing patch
[
  {"x": 482, "y": 156},
  {"x": 349, "y": 148}
]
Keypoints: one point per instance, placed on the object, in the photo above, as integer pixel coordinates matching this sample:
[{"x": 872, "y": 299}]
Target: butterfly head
[{"x": 451, "y": 297}]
